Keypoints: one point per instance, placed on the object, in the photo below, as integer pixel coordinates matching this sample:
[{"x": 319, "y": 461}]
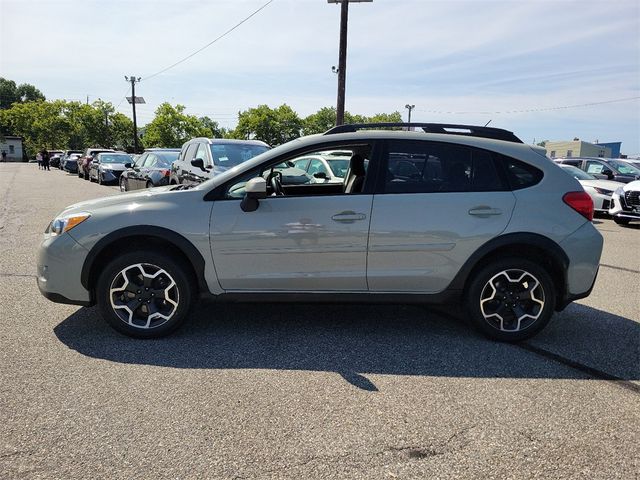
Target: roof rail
[{"x": 446, "y": 128}]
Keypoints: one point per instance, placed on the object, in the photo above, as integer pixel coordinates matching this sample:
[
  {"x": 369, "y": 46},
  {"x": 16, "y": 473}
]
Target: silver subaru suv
[{"x": 446, "y": 214}]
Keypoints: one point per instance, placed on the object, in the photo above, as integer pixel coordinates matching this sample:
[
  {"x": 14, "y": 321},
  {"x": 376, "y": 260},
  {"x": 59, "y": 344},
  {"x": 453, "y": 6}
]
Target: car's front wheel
[
  {"x": 621, "y": 221},
  {"x": 510, "y": 299},
  {"x": 123, "y": 185},
  {"x": 145, "y": 294}
]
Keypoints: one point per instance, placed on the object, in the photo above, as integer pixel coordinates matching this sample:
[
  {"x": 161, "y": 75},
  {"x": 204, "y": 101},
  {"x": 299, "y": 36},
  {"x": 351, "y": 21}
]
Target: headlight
[
  {"x": 67, "y": 222},
  {"x": 602, "y": 191},
  {"x": 619, "y": 191}
]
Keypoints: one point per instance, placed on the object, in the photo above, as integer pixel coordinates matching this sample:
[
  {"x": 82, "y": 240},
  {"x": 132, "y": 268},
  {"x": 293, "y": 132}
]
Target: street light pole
[
  {"x": 409, "y": 107},
  {"x": 133, "y": 81},
  {"x": 342, "y": 60}
]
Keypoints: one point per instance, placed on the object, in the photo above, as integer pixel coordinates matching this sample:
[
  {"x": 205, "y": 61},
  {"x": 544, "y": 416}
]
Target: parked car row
[{"x": 613, "y": 184}]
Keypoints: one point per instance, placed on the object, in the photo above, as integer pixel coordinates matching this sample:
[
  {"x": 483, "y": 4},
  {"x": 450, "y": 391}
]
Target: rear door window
[{"x": 432, "y": 167}]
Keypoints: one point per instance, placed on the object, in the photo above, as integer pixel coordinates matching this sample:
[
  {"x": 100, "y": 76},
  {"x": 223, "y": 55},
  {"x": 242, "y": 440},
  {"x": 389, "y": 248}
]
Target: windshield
[
  {"x": 232, "y": 154},
  {"x": 115, "y": 158},
  {"x": 339, "y": 167},
  {"x": 625, "y": 168},
  {"x": 577, "y": 173}
]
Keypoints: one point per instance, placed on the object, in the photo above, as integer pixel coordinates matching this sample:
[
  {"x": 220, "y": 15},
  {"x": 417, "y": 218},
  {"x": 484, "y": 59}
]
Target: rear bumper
[{"x": 583, "y": 248}]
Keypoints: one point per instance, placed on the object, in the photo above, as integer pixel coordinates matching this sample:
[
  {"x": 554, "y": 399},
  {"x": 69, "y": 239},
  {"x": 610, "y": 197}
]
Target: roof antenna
[{"x": 487, "y": 123}]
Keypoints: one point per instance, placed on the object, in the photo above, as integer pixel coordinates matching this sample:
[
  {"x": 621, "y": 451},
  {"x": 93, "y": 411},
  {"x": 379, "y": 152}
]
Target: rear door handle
[
  {"x": 484, "y": 211},
  {"x": 348, "y": 216}
]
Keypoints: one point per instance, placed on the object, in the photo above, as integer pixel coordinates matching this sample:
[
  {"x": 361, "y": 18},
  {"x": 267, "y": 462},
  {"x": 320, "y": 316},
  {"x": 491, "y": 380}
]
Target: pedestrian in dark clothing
[
  {"x": 4, "y": 156},
  {"x": 45, "y": 160}
]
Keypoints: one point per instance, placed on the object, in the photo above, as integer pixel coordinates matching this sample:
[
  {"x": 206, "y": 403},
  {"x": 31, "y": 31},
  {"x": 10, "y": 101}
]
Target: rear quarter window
[{"x": 519, "y": 174}]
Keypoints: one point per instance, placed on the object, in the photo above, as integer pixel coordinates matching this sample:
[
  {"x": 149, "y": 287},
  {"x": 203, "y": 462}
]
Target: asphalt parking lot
[{"x": 308, "y": 391}]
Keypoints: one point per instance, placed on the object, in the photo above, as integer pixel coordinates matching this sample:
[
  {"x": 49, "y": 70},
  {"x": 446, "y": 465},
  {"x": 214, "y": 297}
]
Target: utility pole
[
  {"x": 133, "y": 81},
  {"x": 342, "y": 60}
]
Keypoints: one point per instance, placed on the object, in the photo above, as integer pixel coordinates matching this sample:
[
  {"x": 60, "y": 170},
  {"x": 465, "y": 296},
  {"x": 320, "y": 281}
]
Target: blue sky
[{"x": 457, "y": 61}]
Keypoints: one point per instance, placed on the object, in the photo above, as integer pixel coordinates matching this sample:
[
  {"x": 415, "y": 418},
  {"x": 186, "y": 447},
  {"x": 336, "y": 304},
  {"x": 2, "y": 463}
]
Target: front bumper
[
  {"x": 60, "y": 261},
  {"x": 110, "y": 175},
  {"x": 620, "y": 208}
]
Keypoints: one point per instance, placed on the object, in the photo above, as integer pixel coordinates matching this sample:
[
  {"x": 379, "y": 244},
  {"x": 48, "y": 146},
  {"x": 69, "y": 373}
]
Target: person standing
[
  {"x": 39, "y": 160},
  {"x": 45, "y": 160},
  {"x": 4, "y": 156}
]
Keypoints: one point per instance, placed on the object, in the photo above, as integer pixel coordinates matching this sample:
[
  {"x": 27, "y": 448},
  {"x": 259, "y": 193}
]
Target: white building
[{"x": 12, "y": 146}]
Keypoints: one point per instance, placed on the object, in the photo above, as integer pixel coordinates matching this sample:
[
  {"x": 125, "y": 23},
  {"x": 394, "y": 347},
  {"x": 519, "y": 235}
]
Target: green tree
[
  {"x": 325, "y": 118},
  {"x": 212, "y": 127},
  {"x": 121, "y": 131},
  {"x": 273, "y": 126},
  {"x": 319, "y": 122},
  {"x": 394, "y": 117},
  {"x": 11, "y": 93},
  {"x": 42, "y": 124},
  {"x": 171, "y": 127}
]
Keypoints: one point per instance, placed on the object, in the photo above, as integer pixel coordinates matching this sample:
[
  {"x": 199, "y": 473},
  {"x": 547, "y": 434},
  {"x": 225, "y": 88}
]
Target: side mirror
[
  {"x": 127, "y": 165},
  {"x": 198, "y": 162},
  {"x": 255, "y": 189},
  {"x": 608, "y": 173},
  {"x": 321, "y": 175}
]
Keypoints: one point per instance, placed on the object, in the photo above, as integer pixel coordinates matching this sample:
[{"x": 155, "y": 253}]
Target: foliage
[
  {"x": 11, "y": 93},
  {"x": 325, "y": 118},
  {"x": 214, "y": 130},
  {"x": 273, "y": 126},
  {"x": 171, "y": 127},
  {"x": 319, "y": 122},
  {"x": 60, "y": 124}
]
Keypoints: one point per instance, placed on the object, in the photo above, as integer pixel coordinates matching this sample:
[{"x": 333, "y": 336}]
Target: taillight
[
  {"x": 165, "y": 173},
  {"x": 581, "y": 202}
]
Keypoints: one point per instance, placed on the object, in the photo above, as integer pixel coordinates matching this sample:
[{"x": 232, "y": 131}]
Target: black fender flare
[
  {"x": 551, "y": 248},
  {"x": 185, "y": 246}
]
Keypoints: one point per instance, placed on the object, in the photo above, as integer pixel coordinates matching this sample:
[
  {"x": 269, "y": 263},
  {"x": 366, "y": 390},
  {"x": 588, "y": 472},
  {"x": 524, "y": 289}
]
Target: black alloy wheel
[
  {"x": 145, "y": 294},
  {"x": 510, "y": 299}
]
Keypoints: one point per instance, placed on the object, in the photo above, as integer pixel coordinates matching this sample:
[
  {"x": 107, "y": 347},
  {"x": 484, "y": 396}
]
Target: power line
[
  {"x": 208, "y": 44},
  {"x": 544, "y": 109}
]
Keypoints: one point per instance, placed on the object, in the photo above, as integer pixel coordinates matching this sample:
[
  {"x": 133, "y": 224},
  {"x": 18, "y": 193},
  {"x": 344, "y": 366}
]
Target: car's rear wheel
[
  {"x": 510, "y": 299},
  {"x": 149, "y": 184},
  {"x": 145, "y": 294},
  {"x": 99, "y": 178}
]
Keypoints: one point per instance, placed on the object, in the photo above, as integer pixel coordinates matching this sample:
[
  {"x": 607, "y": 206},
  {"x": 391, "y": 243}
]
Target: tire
[
  {"x": 494, "y": 299},
  {"x": 124, "y": 186},
  {"x": 148, "y": 185},
  {"x": 125, "y": 272},
  {"x": 621, "y": 221},
  {"x": 99, "y": 179}
]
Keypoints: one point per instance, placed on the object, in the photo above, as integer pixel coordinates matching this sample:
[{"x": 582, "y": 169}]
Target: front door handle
[
  {"x": 348, "y": 216},
  {"x": 484, "y": 211}
]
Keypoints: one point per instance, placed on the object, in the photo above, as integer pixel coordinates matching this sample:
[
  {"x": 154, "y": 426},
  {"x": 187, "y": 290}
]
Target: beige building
[
  {"x": 12, "y": 148},
  {"x": 576, "y": 148}
]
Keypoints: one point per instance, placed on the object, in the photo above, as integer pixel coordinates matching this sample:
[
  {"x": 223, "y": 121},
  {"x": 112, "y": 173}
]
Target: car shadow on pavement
[{"x": 356, "y": 340}]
